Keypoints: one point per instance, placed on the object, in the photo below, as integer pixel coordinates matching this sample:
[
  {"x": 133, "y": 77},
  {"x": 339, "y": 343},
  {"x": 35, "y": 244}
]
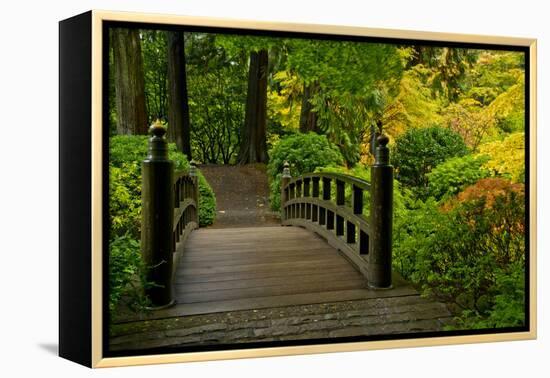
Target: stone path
[
  {"x": 242, "y": 195},
  {"x": 398, "y": 315}
]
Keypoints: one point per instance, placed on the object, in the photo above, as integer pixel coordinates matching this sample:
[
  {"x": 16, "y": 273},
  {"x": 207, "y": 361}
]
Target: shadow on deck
[{"x": 273, "y": 283}]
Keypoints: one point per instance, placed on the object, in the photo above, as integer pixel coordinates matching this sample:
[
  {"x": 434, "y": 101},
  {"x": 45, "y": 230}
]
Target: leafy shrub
[
  {"x": 126, "y": 270},
  {"x": 418, "y": 151},
  {"x": 207, "y": 202},
  {"x": 127, "y": 153},
  {"x": 126, "y": 273},
  {"x": 506, "y": 157},
  {"x": 125, "y": 200},
  {"x": 469, "y": 253},
  {"x": 451, "y": 176},
  {"x": 305, "y": 153}
]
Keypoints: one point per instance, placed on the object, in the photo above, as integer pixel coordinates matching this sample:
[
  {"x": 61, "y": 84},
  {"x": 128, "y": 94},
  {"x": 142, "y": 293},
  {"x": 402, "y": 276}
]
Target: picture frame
[{"x": 84, "y": 158}]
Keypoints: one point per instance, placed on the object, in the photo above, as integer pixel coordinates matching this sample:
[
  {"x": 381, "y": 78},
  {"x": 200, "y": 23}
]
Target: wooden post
[
  {"x": 381, "y": 218},
  {"x": 157, "y": 199},
  {"x": 285, "y": 179},
  {"x": 194, "y": 189}
]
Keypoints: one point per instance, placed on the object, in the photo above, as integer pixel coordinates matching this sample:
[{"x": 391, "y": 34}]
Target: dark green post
[
  {"x": 285, "y": 179},
  {"x": 381, "y": 217},
  {"x": 157, "y": 201}
]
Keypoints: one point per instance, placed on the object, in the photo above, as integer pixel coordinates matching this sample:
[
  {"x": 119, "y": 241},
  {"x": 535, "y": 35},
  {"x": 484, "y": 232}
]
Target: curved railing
[
  {"x": 332, "y": 205},
  {"x": 186, "y": 215}
]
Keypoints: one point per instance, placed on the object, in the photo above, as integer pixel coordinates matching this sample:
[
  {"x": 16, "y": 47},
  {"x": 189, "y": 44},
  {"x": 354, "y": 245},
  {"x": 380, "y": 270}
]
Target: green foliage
[
  {"x": 450, "y": 69},
  {"x": 284, "y": 103},
  {"x": 508, "y": 308},
  {"x": 347, "y": 104},
  {"x": 493, "y": 74},
  {"x": 155, "y": 69},
  {"x": 418, "y": 151},
  {"x": 129, "y": 151},
  {"x": 508, "y": 108},
  {"x": 305, "y": 153},
  {"x": 470, "y": 253},
  {"x": 414, "y": 106},
  {"x": 125, "y": 200},
  {"x": 207, "y": 203},
  {"x": 217, "y": 97},
  {"x": 506, "y": 157},
  {"x": 471, "y": 121},
  {"x": 126, "y": 271},
  {"x": 451, "y": 176}
]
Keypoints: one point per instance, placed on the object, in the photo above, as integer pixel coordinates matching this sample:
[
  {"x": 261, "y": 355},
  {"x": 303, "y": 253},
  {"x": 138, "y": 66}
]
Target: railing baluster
[
  {"x": 322, "y": 216},
  {"x": 326, "y": 188},
  {"x": 315, "y": 186},
  {"x": 330, "y": 220},
  {"x": 307, "y": 180},
  {"x": 363, "y": 243},
  {"x": 357, "y": 200},
  {"x": 339, "y": 225},
  {"x": 340, "y": 192},
  {"x": 350, "y": 232}
]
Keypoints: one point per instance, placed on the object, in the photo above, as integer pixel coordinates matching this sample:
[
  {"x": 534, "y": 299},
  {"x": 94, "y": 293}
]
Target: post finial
[
  {"x": 286, "y": 170},
  {"x": 382, "y": 155},
  {"x": 158, "y": 147},
  {"x": 383, "y": 140},
  {"x": 157, "y": 129},
  {"x": 192, "y": 168}
]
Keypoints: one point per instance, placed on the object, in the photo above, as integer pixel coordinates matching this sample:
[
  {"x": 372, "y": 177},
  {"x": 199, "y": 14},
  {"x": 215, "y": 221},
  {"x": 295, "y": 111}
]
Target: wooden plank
[
  {"x": 266, "y": 281},
  {"x": 254, "y": 258},
  {"x": 195, "y": 255},
  {"x": 263, "y": 248},
  {"x": 182, "y": 296},
  {"x": 251, "y": 240},
  {"x": 264, "y": 274},
  {"x": 213, "y": 268}
]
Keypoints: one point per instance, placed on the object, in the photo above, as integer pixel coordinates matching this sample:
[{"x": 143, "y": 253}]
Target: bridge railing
[
  {"x": 169, "y": 213},
  {"x": 332, "y": 205}
]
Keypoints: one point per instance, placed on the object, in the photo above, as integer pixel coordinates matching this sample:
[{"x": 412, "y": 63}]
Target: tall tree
[
  {"x": 179, "y": 129},
  {"x": 254, "y": 132},
  {"x": 308, "y": 116},
  {"x": 155, "y": 66},
  {"x": 129, "y": 82}
]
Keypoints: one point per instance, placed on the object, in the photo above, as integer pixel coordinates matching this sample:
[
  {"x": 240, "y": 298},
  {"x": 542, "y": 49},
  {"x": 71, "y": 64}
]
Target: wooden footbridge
[{"x": 335, "y": 248}]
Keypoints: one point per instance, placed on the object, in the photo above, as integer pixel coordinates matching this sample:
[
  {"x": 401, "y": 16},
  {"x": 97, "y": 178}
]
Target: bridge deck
[
  {"x": 272, "y": 283},
  {"x": 251, "y": 268},
  {"x": 258, "y": 267}
]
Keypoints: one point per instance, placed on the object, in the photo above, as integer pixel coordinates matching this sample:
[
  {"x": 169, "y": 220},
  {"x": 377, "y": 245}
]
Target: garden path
[{"x": 242, "y": 195}]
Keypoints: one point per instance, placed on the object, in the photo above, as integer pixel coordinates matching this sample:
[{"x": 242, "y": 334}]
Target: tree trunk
[
  {"x": 129, "y": 82},
  {"x": 308, "y": 117},
  {"x": 254, "y": 131},
  {"x": 179, "y": 130}
]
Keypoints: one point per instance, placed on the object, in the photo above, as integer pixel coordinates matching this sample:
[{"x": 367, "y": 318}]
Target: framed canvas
[{"x": 234, "y": 189}]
